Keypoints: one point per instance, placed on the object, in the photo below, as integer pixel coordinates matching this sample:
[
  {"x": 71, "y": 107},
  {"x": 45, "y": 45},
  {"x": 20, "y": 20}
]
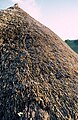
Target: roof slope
[{"x": 38, "y": 71}]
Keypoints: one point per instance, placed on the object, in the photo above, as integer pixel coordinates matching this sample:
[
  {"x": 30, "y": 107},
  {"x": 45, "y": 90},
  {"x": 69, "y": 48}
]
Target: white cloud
[{"x": 30, "y": 6}]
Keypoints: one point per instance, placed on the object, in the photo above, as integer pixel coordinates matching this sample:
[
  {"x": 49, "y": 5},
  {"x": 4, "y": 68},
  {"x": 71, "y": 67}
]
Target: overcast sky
[{"x": 61, "y": 16}]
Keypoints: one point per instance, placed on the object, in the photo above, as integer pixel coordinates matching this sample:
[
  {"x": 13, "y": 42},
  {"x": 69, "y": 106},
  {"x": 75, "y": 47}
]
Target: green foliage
[{"x": 73, "y": 44}]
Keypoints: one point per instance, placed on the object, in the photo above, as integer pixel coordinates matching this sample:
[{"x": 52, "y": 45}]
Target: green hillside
[{"x": 73, "y": 44}]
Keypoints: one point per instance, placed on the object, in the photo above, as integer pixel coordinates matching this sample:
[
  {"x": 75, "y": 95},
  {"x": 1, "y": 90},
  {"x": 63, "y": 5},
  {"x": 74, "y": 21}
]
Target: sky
[{"x": 61, "y": 16}]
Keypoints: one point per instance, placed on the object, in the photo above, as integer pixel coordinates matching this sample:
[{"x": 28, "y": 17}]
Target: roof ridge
[{"x": 16, "y": 5}]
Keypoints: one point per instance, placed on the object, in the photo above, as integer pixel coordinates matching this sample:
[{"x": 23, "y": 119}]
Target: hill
[
  {"x": 38, "y": 71},
  {"x": 73, "y": 44}
]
